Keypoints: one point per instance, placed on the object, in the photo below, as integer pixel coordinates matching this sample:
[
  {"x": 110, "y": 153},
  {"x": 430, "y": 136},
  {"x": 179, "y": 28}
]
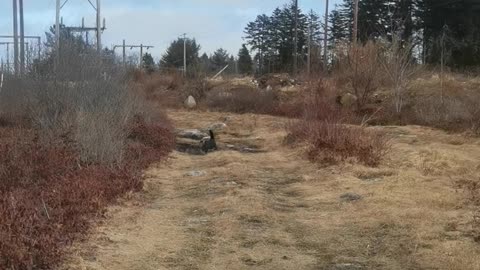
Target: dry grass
[
  {"x": 242, "y": 100},
  {"x": 275, "y": 210}
]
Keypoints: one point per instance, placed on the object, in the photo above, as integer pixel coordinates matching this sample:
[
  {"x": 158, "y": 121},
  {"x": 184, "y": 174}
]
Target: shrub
[
  {"x": 242, "y": 100},
  {"x": 329, "y": 140},
  {"x": 359, "y": 68},
  {"x": 87, "y": 140}
]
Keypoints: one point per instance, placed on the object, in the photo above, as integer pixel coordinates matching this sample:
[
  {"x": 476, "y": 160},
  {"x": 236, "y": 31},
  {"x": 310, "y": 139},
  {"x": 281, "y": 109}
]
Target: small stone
[
  {"x": 350, "y": 197},
  {"x": 196, "y": 173},
  {"x": 347, "y": 266},
  {"x": 190, "y": 102},
  {"x": 217, "y": 127},
  {"x": 348, "y": 100}
]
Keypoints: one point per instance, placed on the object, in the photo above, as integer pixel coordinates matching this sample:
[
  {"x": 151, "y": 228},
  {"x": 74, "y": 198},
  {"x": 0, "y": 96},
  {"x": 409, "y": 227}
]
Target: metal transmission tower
[
  {"x": 37, "y": 38},
  {"x": 18, "y": 40},
  {"x": 7, "y": 66},
  {"x": 124, "y": 54},
  {"x": 15, "y": 37},
  {"x": 98, "y": 27},
  {"x": 22, "y": 39}
]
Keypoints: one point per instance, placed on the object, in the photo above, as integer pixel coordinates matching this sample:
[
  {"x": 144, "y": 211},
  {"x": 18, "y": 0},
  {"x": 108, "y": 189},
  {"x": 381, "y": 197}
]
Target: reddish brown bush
[
  {"x": 48, "y": 197},
  {"x": 329, "y": 139}
]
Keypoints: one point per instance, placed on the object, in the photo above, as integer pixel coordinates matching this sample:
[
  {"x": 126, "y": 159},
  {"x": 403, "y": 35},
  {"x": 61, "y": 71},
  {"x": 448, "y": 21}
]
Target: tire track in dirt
[{"x": 233, "y": 215}]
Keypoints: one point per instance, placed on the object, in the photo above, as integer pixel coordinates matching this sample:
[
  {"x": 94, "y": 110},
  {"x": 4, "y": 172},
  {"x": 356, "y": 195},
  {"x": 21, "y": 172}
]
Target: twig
[
  {"x": 45, "y": 208},
  {"x": 1, "y": 81},
  {"x": 370, "y": 118}
]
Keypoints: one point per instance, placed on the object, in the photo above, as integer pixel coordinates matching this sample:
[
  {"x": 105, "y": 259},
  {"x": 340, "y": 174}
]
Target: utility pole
[
  {"x": 15, "y": 37},
  {"x": 57, "y": 34},
  {"x": 184, "y": 55},
  {"x": 99, "y": 28},
  {"x": 141, "y": 55},
  {"x": 22, "y": 39},
  {"x": 309, "y": 55},
  {"x": 124, "y": 54},
  {"x": 325, "y": 40},
  {"x": 355, "y": 23},
  {"x": 295, "y": 47}
]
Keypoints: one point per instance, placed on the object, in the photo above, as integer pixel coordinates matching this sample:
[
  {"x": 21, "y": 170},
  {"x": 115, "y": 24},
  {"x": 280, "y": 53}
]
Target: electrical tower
[
  {"x": 124, "y": 54},
  {"x": 98, "y": 29}
]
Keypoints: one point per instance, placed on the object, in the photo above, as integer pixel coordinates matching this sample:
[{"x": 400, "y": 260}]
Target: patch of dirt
[{"x": 276, "y": 210}]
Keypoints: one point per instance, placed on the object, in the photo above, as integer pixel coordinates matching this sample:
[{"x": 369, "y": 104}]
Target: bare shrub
[
  {"x": 90, "y": 103},
  {"x": 453, "y": 113},
  {"x": 400, "y": 67},
  {"x": 358, "y": 66},
  {"x": 329, "y": 140},
  {"x": 242, "y": 100},
  {"x": 13, "y": 110}
]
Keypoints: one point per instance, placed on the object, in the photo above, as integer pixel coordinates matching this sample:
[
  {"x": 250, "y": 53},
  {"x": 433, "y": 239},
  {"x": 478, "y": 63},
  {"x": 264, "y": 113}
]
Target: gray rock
[
  {"x": 348, "y": 100},
  {"x": 194, "y": 134},
  {"x": 196, "y": 173},
  {"x": 350, "y": 197},
  {"x": 217, "y": 126},
  {"x": 347, "y": 266},
  {"x": 190, "y": 102}
]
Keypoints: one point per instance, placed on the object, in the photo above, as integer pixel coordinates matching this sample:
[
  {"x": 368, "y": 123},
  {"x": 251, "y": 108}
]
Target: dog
[{"x": 209, "y": 144}]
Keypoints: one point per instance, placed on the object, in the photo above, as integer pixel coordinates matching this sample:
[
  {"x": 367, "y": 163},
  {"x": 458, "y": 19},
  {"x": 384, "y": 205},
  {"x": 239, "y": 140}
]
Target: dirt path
[{"x": 275, "y": 210}]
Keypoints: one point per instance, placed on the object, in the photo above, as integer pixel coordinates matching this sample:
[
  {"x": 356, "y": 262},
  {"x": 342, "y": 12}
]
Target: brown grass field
[{"x": 277, "y": 210}]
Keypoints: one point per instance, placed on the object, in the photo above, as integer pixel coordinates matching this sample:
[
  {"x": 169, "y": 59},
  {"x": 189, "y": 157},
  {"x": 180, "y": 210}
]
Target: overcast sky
[{"x": 214, "y": 23}]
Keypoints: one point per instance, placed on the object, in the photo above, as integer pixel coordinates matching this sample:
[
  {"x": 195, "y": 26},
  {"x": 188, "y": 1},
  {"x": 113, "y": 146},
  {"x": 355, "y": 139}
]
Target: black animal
[{"x": 209, "y": 144}]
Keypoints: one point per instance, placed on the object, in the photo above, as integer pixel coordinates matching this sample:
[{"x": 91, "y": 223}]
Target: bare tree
[
  {"x": 400, "y": 67},
  {"x": 358, "y": 65}
]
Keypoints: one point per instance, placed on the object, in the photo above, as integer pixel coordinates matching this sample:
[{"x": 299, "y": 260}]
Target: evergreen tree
[
  {"x": 272, "y": 38},
  {"x": 219, "y": 59},
  {"x": 205, "y": 64},
  {"x": 245, "y": 62},
  {"x": 147, "y": 63},
  {"x": 339, "y": 27},
  {"x": 173, "y": 57}
]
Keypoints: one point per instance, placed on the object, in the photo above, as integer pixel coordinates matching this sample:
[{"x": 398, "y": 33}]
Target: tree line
[
  {"x": 205, "y": 64},
  {"x": 445, "y": 31},
  {"x": 439, "y": 30}
]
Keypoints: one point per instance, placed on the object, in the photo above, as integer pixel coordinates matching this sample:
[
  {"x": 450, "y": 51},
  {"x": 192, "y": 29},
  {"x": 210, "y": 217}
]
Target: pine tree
[
  {"x": 147, "y": 63},
  {"x": 219, "y": 59},
  {"x": 173, "y": 57},
  {"x": 245, "y": 62},
  {"x": 272, "y": 38}
]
